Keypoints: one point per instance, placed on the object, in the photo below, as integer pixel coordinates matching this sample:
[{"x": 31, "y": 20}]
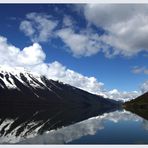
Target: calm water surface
[{"x": 117, "y": 127}]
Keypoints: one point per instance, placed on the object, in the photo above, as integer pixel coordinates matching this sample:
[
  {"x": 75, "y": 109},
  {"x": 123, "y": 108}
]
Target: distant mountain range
[{"x": 21, "y": 88}]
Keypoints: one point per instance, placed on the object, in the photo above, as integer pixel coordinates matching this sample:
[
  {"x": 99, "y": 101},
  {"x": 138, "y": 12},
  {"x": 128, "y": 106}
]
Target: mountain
[
  {"x": 21, "y": 124},
  {"x": 21, "y": 88},
  {"x": 31, "y": 104},
  {"x": 139, "y": 102},
  {"x": 138, "y": 106}
]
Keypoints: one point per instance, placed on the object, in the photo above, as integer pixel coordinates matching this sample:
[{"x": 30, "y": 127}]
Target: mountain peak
[
  {"x": 15, "y": 70},
  {"x": 19, "y": 85},
  {"x": 8, "y": 74}
]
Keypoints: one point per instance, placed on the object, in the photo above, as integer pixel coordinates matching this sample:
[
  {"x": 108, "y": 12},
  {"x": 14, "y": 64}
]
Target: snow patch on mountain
[{"x": 6, "y": 75}]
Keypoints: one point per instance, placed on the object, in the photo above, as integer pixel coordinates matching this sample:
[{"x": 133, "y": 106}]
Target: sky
[{"x": 101, "y": 48}]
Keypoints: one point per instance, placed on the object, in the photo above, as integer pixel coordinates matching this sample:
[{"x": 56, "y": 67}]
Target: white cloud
[
  {"x": 33, "y": 58},
  {"x": 8, "y": 52},
  {"x": 57, "y": 71},
  {"x": 119, "y": 95},
  {"x": 144, "y": 87},
  {"x": 39, "y": 27},
  {"x": 27, "y": 28},
  {"x": 138, "y": 69},
  {"x": 32, "y": 55},
  {"x": 13, "y": 56},
  {"x": 145, "y": 124},
  {"x": 126, "y": 27},
  {"x": 67, "y": 21},
  {"x": 80, "y": 44}
]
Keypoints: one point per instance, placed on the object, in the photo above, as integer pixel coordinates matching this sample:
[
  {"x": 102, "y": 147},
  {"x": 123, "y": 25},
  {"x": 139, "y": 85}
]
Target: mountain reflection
[
  {"x": 86, "y": 127},
  {"x": 55, "y": 126},
  {"x": 18, "y": 124}
]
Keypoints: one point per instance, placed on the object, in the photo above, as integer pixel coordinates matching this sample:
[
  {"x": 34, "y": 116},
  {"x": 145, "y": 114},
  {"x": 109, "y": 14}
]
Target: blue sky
[{"x": 119, "y": 58}]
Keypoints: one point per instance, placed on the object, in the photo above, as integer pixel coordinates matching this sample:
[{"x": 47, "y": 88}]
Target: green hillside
[{"x": 138, "y": 106}]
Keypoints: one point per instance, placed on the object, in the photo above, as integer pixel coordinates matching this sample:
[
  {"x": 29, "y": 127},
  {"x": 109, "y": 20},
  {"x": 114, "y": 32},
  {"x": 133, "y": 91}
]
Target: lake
[{"x": 42, "y": 127}]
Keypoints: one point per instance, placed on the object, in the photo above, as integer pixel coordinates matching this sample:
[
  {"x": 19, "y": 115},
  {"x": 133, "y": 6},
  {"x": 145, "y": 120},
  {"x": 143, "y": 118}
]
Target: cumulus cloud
[
  {"x": 80, "y": 44},
  {"x": 8, "y": 52},
  {"x": 126, "y": 27},
  {"x": 121, "y": 95},
  {"x": 39, "y": 27},
  {"x": 144, "y": 87},
  {"x": 32, "y": 55},
  {"x": 13, "y": 56},
  {"x": 57, "y": 71},
  {"x": 33, "y": 59},
  {"x": 138, "y": 69}
]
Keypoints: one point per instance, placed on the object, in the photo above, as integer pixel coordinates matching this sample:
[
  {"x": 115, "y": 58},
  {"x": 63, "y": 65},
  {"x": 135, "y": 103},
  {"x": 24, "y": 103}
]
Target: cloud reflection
[{"x": 84, "y": 128}]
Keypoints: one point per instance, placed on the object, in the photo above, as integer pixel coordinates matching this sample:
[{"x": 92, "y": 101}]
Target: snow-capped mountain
[
  {"x": 31, "y": 104},
  {"x": 23, "y": 88},
  {"x": 7, "y": 73}
]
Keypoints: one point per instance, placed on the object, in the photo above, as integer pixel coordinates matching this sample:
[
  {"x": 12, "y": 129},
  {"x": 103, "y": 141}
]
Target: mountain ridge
[
  {"x": 21, "y": 87},
  {"x": 138, "y": 105}
]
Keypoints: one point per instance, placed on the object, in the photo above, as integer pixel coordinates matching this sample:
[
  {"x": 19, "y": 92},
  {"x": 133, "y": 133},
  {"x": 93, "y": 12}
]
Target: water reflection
[
  {"x": 68, "y": 126},
  {"x": 88, "y": 127},
  {"x": 23, "y": 123},
  {"x": 145, "y": 124}
]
